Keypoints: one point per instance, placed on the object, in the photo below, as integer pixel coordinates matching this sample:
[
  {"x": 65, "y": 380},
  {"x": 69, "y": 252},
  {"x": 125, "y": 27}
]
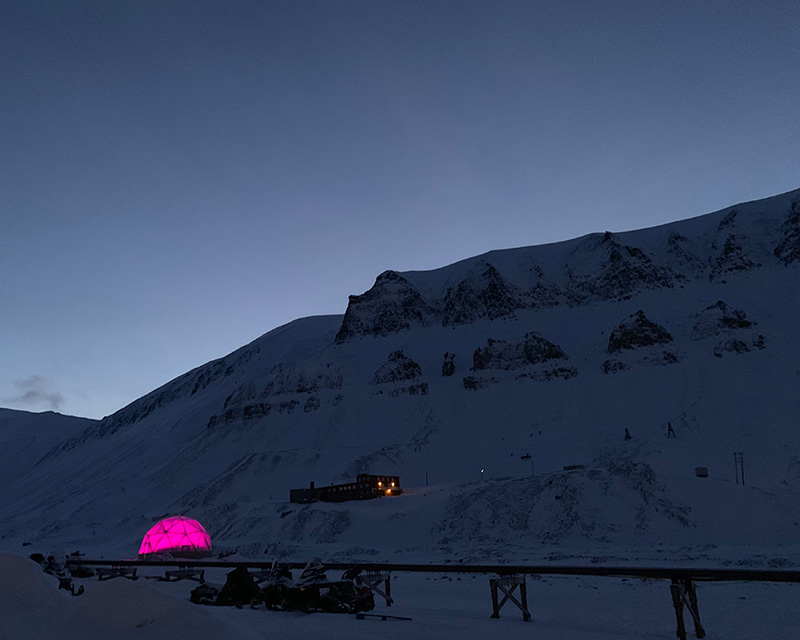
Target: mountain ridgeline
[{"x": 598, "y": 267}]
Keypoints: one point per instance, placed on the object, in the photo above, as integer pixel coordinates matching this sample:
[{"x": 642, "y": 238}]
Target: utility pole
[
  {"x": 527, "y": 456},
  {"x": 738, "y": 461}
]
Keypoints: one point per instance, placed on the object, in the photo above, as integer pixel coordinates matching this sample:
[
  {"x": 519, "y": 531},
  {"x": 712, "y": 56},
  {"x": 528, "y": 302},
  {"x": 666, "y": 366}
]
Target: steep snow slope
[{"x": 448, "y": 378}]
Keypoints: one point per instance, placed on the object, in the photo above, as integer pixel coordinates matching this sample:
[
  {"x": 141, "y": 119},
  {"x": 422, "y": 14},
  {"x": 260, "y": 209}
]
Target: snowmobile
[
  {"x": 240, "y": 589},
  {"x": 204, "y": 594},
  {"x": 54, "y": 565},
  {"x": 309, "y": 592},
  {"x": 312, "y": 591},
  {"x": 273, "y": 588}
]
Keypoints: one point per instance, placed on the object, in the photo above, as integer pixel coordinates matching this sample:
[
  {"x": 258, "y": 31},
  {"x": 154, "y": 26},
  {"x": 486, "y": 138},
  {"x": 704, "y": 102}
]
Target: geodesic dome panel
[{"x": 177, "y": 533}]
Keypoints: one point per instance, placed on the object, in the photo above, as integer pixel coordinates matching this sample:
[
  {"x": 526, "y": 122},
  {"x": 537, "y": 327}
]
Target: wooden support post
[
  {"x": 693, "y": 609},
  {"x": 523, "y": 594},
  {"x": 508, "y": 584},
  {"x": 684, "y": 594},
  {"x": 495, "y": 606},
  {"x": 677, "y": 602}
]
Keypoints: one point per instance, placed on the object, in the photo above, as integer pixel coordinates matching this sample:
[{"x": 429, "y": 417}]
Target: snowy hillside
[
  {"x": 448, "y": 378},
  {"x": 25, "y": 437}
]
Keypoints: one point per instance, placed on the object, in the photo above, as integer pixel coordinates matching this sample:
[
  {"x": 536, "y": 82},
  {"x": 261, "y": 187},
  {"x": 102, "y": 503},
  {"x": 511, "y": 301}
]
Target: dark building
[{"x": 366, "y": 486}]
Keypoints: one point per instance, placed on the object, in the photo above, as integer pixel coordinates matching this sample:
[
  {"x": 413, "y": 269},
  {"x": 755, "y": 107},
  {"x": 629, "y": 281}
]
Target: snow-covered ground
[{"x": 441, "y": 606}]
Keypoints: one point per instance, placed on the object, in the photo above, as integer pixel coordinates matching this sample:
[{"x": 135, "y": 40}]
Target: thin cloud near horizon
[{"x": 38, "y": 391}]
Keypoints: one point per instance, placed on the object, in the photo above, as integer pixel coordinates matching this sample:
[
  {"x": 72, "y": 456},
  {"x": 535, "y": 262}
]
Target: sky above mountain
[{"x": 180, "y": 177}]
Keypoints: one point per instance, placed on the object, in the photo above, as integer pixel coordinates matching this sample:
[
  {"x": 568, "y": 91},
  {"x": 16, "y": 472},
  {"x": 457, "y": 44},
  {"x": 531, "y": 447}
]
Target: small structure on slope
[{"x": 365, "y": 487}]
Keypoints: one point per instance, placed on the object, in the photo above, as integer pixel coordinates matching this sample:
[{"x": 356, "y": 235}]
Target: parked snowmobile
[
  {"x": 55, "y": 565},
  {"x": 240, "y": 589},
  {"x": 273, "y": 588},
  {"x": 312, "y": 591},
  {"x": 309, "y": 592},
  {"x": 204, "y": 594}
]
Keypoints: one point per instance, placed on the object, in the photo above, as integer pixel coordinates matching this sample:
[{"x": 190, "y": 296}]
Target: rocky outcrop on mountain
[
  {"x": 258, "y": 410},
  {"x": 737, "y": 330},
  {"x": 647, "y": 357},
  {"x": 531, "y": 350},
  {"x": 473, "y": 383},
  {"x": 487, "y": 295},
  {"x": 788, "y": 251},
  {"x": 635, "y": 332},
  {"x": 398, "y": 368},
  {"x": 717, "y": 319},
  {"x": 733, "y": 345},
  {"x": 307, "y": 384},
  {"x": 728, "y": 222},
  {"x": 546, "y": 375},
  {"x": 449, "y": 364},
  {"x": 419, "y": 389},
  {"x": 638, "y": 341},
  {"x": 684, "y": 257},
  {"x": 513, "y": 354},
  {"x": 252, "y": 402},
  {"x": 392, "y": 304},
  {"x": 288, "y": 406},
  {"x": 625, "y": 271},
  {"x": 251, "y": 411},
  {"x": 308, "y": 379},
  {"x": 731, "y": 259},
  {"x": 241, "y": 395},
  {"x": 614, "y": 366},
  {"x": 543, "y": 293}
]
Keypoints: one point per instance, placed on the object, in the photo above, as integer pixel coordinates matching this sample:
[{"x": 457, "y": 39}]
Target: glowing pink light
[{"x": 177, "y": 533}]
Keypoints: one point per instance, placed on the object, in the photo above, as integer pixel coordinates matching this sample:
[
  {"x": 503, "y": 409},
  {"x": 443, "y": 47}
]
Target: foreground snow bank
[{"x": 31, "y": 606}]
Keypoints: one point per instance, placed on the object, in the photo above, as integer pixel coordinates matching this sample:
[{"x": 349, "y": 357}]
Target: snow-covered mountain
[{"x": 450, "y": 379}]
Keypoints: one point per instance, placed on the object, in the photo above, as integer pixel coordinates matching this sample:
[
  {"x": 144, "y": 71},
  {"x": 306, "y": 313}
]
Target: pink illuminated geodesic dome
[{"x": 177, "y": 535}]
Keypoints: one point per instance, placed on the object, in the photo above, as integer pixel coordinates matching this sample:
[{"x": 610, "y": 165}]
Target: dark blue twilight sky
[{"x": 178, "y": 178}]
